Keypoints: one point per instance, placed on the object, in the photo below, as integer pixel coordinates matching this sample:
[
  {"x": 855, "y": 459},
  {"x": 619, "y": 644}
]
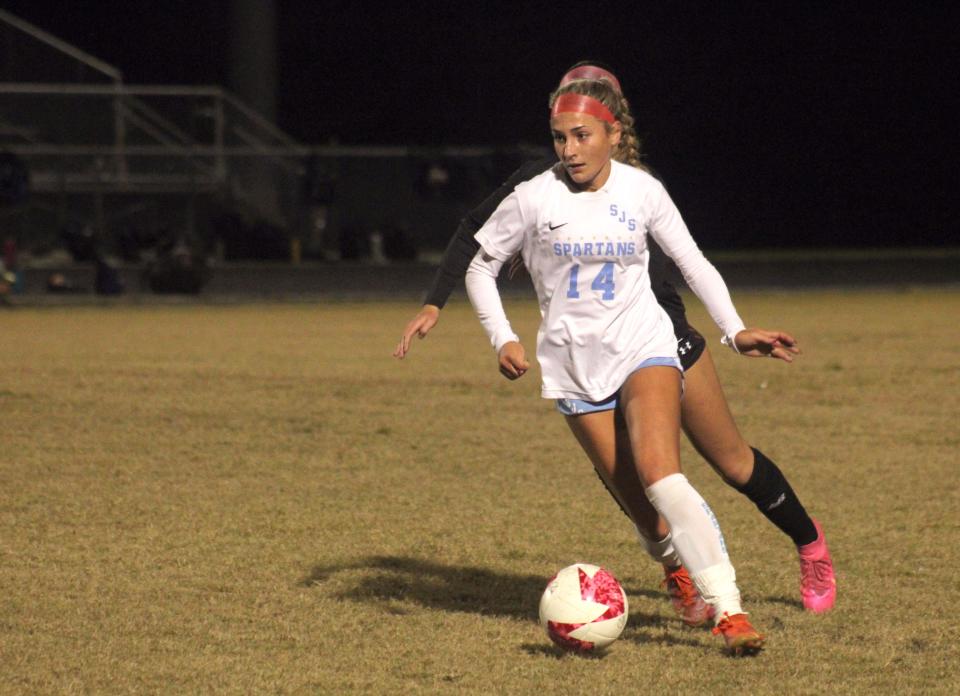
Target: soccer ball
[{"x": 583, "y": 608}]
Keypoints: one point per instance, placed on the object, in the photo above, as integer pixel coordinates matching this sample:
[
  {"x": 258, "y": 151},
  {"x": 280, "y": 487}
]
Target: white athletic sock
[
  {"x": 663, "y": 551},
  {"x": 718, "y": 587},
  {"x": 698, "y": 540}
]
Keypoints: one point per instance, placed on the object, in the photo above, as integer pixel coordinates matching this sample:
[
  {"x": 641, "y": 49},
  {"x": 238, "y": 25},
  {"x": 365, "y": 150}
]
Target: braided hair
[{"x": 628, "y": 151}]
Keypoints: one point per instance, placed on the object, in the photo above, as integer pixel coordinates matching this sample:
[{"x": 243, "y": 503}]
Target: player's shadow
[
  {"x": 791, "y": 602},
  {"x": 398, "y": 580},
  {"x": 395, "y": 582}
]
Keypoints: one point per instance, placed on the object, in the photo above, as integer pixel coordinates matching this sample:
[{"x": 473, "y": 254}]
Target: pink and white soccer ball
[{"x": 583, "y": 608}]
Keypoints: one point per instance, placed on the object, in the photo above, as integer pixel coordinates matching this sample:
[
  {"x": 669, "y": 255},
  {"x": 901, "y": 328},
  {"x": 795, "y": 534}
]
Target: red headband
[
  {"x": 581, "y": 103},
  {"x": 591, "y": 72}
]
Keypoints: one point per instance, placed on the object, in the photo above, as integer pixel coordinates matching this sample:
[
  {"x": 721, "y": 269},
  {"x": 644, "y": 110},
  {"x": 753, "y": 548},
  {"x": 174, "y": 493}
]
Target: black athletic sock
[{"x": 773, "y": 496}]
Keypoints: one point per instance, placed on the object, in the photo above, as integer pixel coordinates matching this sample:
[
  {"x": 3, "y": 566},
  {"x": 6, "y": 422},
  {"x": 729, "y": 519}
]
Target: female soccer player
[
  {"x": 605, "y": 346},
  {"x": 706, "y": 417}
]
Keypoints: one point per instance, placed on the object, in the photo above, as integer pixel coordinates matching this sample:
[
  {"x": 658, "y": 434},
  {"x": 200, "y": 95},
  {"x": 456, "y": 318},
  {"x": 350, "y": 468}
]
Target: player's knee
[
  {"x": 652, "y": 469},
  {"x": 734, "y": 464}
]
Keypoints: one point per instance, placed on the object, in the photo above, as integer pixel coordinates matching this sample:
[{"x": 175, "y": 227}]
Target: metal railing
[
  {"x": 112, "y": 157},
  {"x": 88, "y": 147},
  {"x": 29, "y": 50},
  {"x": 95, "y": 146}
]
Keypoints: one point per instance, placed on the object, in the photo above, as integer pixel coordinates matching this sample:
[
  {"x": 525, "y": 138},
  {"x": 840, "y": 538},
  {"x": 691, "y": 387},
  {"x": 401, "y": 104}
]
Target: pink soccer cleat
[{"x": 818, "y": 586}]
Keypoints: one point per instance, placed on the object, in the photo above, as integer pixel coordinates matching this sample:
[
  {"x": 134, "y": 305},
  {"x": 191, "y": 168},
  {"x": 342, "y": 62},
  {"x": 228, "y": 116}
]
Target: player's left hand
[{"x": 761, "y": 343}]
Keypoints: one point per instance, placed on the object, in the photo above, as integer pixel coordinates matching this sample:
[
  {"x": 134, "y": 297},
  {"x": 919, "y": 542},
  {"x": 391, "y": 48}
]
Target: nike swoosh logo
[
  {"x": 778, "y": 501},
  {"x": 554, "y": 227}
]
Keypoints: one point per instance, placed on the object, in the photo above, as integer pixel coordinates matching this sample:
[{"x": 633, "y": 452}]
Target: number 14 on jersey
[{"x": 602, "y": 283}]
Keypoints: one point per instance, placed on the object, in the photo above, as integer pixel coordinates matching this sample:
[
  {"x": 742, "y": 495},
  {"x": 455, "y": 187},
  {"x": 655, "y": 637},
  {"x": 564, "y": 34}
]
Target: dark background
[{"x": 773, "y": 124}]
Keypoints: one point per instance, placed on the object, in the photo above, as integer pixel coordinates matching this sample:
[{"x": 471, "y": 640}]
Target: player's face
[{"x": 584, "y": 147}]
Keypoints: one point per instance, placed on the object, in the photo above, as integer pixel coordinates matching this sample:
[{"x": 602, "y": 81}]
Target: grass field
[{"x": 259, "y": 499}]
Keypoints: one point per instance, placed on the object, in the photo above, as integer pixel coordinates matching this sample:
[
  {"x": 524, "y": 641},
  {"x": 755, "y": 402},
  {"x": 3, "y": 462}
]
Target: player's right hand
[
  {"x": 420, "y": 325},
  {"x": 513, "y": 361}
]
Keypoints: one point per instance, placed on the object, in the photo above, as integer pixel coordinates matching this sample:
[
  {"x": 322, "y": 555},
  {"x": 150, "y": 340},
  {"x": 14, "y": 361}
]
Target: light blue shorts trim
[{"x": 577, "y": 407}]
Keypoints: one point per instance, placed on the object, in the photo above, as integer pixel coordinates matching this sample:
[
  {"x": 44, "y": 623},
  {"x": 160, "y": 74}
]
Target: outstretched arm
[
  {"x": 458, "y": 255},
  {"x": 672, "y": 234},
  {"x": 460, "y": 251}
]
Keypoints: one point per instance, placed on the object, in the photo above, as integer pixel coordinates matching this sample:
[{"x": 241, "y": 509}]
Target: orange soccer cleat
[
  {"x": 687, "y": 602},
  {"x": 742, "y": 638}
]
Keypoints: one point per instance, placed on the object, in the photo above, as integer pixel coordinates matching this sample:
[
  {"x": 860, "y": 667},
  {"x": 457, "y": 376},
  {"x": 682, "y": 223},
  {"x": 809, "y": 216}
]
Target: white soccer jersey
[{"x": 586, "y": 252}]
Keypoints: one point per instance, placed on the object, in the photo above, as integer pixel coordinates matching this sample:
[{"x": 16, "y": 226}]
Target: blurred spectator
[
  {"x": 354, "y": 244},
  {"x": 7, "y": 280},
  {"x": 79, "y": 240},
  {"x": 398, "y": 243},
  {"x": 58, "y": 283},
  {"x": 83, "y": 246},
  {"x": 14, "y": 179},
  {"x": 133, "y": 241},
  {"x": 178, "y": 269},
  {"x": 10, "y": 274},
  {"x": 107, "y": 280}
]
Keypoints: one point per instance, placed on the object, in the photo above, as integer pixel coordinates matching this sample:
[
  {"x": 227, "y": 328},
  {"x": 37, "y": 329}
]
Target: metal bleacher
[
  {"x": 119, "y": 159},
  {"x": 104, "y": 154}
]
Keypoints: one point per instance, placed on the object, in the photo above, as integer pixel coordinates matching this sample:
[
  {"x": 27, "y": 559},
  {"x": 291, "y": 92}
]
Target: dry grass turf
[{"x": 259, "y": 499}]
